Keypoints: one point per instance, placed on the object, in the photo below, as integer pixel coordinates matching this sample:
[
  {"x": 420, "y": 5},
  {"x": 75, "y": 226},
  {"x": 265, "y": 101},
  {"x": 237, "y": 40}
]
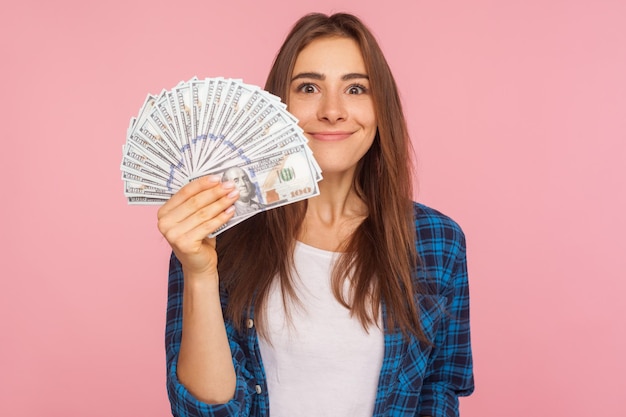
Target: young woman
[{"x": 352, "y": 303}]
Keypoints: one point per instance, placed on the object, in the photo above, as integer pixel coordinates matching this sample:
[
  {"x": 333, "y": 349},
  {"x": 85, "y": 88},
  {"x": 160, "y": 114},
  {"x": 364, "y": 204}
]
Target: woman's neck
[{"x": 333, "y": 216}]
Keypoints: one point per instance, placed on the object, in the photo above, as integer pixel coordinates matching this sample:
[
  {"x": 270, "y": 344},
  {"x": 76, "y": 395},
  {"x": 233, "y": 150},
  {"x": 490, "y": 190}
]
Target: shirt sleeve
[
  {"x": 450, "y": 370},
  {"x": 182, "y": 402}
]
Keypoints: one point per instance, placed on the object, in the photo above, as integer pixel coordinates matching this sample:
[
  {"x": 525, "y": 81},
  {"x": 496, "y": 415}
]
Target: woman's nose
[{"x": 332, "y": 108}]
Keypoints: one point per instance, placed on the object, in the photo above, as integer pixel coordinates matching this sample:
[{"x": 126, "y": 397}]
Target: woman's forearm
[{"x": 205, "y": 365}]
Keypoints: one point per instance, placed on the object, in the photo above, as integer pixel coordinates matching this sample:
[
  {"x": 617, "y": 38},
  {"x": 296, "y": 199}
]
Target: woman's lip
[{"x": 330, "y": 136}]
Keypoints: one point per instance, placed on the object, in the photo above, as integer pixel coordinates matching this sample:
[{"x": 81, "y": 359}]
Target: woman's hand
[
  {"x": 205, "y": 365},
  {"x": 186, "y": 220}
]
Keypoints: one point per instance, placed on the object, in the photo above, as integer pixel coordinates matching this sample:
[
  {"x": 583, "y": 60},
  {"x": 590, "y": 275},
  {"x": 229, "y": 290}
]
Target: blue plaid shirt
[{"x": 415, "y": 379}]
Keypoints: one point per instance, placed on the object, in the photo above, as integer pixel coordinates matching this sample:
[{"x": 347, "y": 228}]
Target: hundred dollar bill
[
  {"x": 249, "y": 114},
  {"x": 163, "y": 117},
  {"x": 193, "y": 100},
  {"x": 216, "y": 100},
  {"x": 257, "y": 114},
  {"x": 271, "y": 120},
  {"x": 145, "y": 201},
  {"x": 137, "y": 161},
  {"x": 284, "y": 137},
  {"x": 205, "y": 91},
  {"x": 198, "y": 90},
  {"x": 180, "y": 103},
  {"x": 287, "y": 137},
  {"x": 146, "y": 108},
  {"x": 218, "y": 125},
  {"x": 140, "y": 189},
  {"x": 239, "y": 95},
  {"x": 132, "y": 177},
  {"x": 148, "y": 129},
  {"x": 227, "y": 92},
  {"x": 151, "y": 151},
  {"x": 223, "y": 113},
  {"x": 277, "y": 179},
  {"x": 166, "y": 119}
]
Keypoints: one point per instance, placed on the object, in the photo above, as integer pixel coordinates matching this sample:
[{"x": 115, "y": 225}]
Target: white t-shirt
[{"x": 322, "y": 363}]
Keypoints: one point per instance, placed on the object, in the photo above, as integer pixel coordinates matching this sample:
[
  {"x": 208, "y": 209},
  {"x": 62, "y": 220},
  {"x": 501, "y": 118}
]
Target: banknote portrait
[{"x": 247, "y": 202}]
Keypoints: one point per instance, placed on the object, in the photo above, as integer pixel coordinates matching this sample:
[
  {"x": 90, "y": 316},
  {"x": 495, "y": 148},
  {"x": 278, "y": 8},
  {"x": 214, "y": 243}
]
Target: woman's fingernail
[
  {"x": 233, "y": 193},
  {"x": 214, "y": 179},
  {"x": 227, "y": 185},
  {"x": 229, "y": 210}
]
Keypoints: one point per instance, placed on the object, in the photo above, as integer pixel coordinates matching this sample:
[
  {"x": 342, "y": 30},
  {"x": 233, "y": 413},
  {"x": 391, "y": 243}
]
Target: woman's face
[{"x": 330, "y": 94}]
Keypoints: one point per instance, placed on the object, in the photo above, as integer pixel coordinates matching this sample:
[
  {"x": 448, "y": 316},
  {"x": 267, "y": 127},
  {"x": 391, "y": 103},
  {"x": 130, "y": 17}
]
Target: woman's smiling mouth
[{"x": 330, "y": 136}]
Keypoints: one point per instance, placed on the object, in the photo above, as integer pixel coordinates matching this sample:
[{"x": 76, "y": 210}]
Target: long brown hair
[{"x": 380, "y": 256}]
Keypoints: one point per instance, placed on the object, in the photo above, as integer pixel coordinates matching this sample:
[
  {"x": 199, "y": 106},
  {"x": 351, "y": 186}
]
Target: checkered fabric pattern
[{"x": 415, "y": 379}]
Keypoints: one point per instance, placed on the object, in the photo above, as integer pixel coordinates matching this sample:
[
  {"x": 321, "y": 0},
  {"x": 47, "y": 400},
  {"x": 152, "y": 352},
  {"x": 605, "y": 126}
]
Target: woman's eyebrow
[
  {"x": 311, "y": 75},
  {"x": 322, "y": 77},
  {"x": 354, "y": 75}
]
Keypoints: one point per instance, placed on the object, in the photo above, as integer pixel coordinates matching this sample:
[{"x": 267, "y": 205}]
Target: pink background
[{"x": 518, "y": 114}]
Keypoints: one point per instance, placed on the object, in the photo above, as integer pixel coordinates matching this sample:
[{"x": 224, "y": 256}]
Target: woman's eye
[
  {"x": 357, "y": 89},
  {"x": 307, "y": 88}
]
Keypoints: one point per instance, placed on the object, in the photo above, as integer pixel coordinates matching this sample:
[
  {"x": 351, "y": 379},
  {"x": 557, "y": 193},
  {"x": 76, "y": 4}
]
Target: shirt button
[
  {"x": 250, "y": 323},
  {"x": 258, "y": 389}
]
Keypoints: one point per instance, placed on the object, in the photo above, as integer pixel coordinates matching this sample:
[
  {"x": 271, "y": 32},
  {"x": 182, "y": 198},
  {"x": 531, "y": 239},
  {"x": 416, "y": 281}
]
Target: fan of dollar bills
[{"x": 224, "y": 127}]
